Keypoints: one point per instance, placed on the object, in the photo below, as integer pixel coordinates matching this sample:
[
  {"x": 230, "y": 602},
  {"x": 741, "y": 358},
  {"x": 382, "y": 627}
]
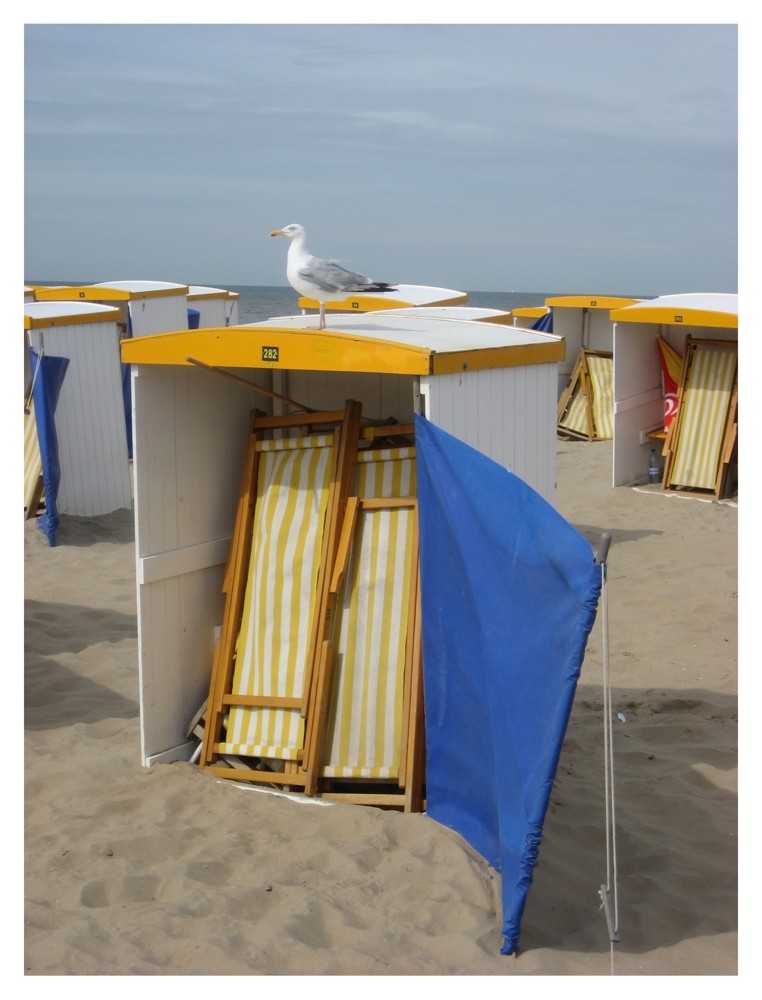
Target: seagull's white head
[{"x": 290, "y": 231}]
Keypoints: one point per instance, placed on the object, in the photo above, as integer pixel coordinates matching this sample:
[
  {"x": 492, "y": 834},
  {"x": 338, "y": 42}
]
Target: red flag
[{"x": 671, "y": 368}]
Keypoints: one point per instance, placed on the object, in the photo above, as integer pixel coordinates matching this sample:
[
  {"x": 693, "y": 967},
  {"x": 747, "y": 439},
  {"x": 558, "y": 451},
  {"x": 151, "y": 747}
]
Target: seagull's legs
[{"x": 321, "y": 324}]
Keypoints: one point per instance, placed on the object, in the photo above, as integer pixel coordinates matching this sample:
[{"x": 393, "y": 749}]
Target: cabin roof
[
  {"x": 116, "y": 291},
  {"x": 402, "y": 297},
  {"x": 713, "y": 309},
  {"x": 375, "y": 342},
  {"x": 41, "y": 314}
]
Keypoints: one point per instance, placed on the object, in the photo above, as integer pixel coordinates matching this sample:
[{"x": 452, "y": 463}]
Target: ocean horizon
[{"x": 261, "y": 302}]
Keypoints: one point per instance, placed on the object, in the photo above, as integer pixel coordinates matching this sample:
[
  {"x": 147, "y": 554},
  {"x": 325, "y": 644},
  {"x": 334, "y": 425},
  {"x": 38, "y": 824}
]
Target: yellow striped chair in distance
[
  {"x": 600, "y": 369},
  {"x": 702, "y": 438},
  {"x": 33, "y": 483},
  {"x": 586, "y": 406}
]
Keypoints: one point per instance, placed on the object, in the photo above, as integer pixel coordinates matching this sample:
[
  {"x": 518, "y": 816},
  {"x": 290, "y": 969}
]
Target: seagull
[{"x": 318, "y": 278}]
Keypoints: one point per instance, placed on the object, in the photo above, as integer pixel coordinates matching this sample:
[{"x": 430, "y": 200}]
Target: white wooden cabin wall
[
  {"x": 382, "y": 396},
  {"x": 189, "y": 438},
  {"x": 90, "y": 418},
  {"x": 215, "y": 311},
  {"x": 600, "y": 330},
  {"x": 505, "y": 413},
  {"x": 567, "y": 324},
  {"x": 158, "y": 314}
]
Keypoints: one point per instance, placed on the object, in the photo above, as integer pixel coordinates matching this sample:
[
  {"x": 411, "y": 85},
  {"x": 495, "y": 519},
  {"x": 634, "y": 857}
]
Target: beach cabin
[
  {"x": 215, "y": 306},
  {"x": 403, "y": 297},
  {"x": 527, "y": 316},
  {"x": 476, "y": 314},
  {"x": 89, "y": 417},
  {"x": 585, "y": 324},
  {"x": 585, "y": 398},
  {"x": 486, "y": 384},
  {"x": 146, "y": 306},
  {"x": 647, "y": 335}
]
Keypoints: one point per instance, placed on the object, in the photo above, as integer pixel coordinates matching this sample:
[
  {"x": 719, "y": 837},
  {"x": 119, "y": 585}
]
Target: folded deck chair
[
  {"x": 276, "y": 583},
  {"x": 371, "y": 747},
  {"x": 702, "y": 438},
  {"x": 33, "y": 482},
  {"x": 586, "y": 406},
  {"x": 600, "y": 368}
]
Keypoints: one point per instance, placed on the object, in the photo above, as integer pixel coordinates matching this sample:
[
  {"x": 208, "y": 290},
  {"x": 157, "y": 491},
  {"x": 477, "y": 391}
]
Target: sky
[
  {"x": 552, "y": 156},
  {"x": 589, "y": 158}
]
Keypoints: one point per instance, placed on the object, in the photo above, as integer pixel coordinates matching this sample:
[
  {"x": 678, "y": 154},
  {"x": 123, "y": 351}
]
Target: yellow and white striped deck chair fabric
[
  {"x": 575, "y": 418},
  {"x": 600, "y": 371},
  {"x": 364, "y": 732},
  {"x": 586, "y": 407},
  {"x": 32, "y": 464},
  {"x": 573, "y": 407},
  {"x": 700, "y": 430},
  {"x": 293, "y": 481}
]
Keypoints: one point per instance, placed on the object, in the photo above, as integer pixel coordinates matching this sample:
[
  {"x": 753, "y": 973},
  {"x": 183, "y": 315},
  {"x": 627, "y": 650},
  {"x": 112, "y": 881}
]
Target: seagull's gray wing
[{"x": 330, "y": 276}]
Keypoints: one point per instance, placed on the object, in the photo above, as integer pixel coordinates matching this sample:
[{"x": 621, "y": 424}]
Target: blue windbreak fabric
[
  {"x": 509, "y": 594},
  {"x": 545, "y": 323},
  {"x": 127, "y": 392},
  {"x": 50, "y": 372}
]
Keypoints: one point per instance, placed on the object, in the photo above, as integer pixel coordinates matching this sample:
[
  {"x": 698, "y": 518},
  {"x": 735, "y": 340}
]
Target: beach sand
[{"x": 167, "y": 871}]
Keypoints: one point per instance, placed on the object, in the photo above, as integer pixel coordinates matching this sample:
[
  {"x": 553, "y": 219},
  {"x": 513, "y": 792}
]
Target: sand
[{"x": 167, "y": 871}]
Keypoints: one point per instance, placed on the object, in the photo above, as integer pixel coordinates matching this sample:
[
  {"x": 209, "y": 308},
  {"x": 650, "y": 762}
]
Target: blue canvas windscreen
[
  {"x": 48, "y": 379},
  {"x": 545, "y": 323},
  {"x": 127, "y": 393},
  {"x": 509, "y": 594}
]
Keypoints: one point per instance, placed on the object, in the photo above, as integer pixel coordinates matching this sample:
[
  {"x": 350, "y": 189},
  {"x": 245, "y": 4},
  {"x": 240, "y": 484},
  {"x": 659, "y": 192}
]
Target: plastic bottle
[{"x": 654, "y": 472}]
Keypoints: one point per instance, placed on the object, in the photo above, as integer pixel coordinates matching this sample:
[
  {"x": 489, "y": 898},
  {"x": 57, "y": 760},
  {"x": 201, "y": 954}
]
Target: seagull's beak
[{"x": 277, "y": 232}]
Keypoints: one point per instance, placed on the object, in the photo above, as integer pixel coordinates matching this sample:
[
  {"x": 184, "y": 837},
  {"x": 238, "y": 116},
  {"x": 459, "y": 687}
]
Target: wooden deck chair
[
  {"x": 586, "y": 406},
  {"x": 33, "y": 482},
  {"x": 701, "y": 442},
  {"x": 276, "y": 582},
  {"x": 600, "y": 368},
  {"x": 368, "y": 732}
]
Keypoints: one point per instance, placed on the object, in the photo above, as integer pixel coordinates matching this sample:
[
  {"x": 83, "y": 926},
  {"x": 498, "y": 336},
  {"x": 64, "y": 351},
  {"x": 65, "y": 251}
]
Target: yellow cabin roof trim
[
  {"x": 103, "y": 293},
  {"x": 669, "y": 315},
  {"x": 589, "y": 302},
  {"x": 498, "y": 357},
  {"x": 530, "y": 311},
  {"x": 263, "y": 346},
  {"x": 275, "y": 348},
  {"x": 71, "y": 319},
  {"x": 212, "y": 293},
  {"x": 375, "y": 303}
]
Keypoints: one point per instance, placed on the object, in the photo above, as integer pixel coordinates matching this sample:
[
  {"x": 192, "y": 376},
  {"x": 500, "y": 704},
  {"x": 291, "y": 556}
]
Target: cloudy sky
[{"x": 591, "y": 158}]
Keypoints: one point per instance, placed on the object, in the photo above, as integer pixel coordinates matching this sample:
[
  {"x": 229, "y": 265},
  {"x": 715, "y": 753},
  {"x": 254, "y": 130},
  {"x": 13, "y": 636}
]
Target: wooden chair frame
[
  {"x": 342, "y": 512},
  {"x": 580, "y": 389},
  {"x": 345, "y": 426},
  {"x": 680, "y": 426}
]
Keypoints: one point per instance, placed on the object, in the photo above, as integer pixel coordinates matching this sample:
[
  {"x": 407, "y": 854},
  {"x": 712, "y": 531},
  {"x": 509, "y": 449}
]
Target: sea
[{"x": 260, "y": 302}]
